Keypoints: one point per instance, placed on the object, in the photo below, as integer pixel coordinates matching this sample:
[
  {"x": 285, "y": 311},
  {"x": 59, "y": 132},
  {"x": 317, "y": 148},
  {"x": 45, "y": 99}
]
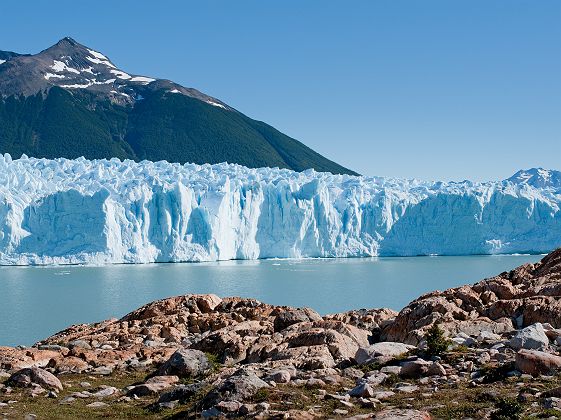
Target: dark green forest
[{"x": 161, "y": 126}]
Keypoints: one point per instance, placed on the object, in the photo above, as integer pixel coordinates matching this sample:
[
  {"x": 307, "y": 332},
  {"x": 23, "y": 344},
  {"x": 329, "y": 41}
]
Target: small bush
[
  {"x": 507, "y": 409},
  {"x": 492, "y": 373},
  {"x": 261, "y": 395},
  {"x": 437, "y": 343},
  {"x": 214, "y": 361}
]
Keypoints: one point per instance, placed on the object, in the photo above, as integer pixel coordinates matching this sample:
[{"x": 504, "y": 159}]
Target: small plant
[
  {"x": 437, "y": 343},
  {"x": 495, "y": 373},
  {"x": 507, "y": 409},
  {"x": 261, "y": 395},
  {"x": 214, "y": 361}
]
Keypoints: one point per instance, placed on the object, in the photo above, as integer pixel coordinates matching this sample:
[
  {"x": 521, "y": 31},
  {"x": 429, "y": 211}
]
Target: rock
[
  {"x": 235, "y": 388},
  {"x": 182, "y": 393},
  {"x": 402, "y": 414},
  {"x": 391, "y": 370},
  {"x": 530, "y": 338},
  {"x": 383, "y": 395},
  {"x": 69, "y": 364},
  {"x": 385, "y": 350},
  {"x": 463, "y": 339},
  {"x": 414, "y": 368},
  {"x": 436, "y": 369},
  {"x": 280, "y": 376},
  {"x": 170, "y": 405},
  {"x": 228, "y": 406},
  {"x": 82, "y": 344},
  {"x": 246, "y": 409},
  {"x": 263, "y": 406},
  {"x": 528, "y": 293},
  {"x": 363, "y": 390},
  {"x": 29, "y": 376},
  {"x": 315, "y": 383},
  {"x": 186, "y": 363},
  {"x": 285, "y": 317},
  {"x": 105, "y": 392},
  {"x": 406, "y": 388},
  {"x": 67, "y": 400},
  {"x": 102, "y": 370},
  {"x": 167, "y": 381},
  {"x": 375, "y": 378},
  {"x": 97, "y": 404},
  {"x": 534, "y": 362},
  {"x": 153, "y": 386},
  {"x": 488, "y": 337},
  {"x": 552, "y": 403},
  {"x": 555, "y": 392}
]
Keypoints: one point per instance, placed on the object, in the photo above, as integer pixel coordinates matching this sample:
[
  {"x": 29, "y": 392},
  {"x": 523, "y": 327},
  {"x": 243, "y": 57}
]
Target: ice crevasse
[{"x": 110, "y": 211}]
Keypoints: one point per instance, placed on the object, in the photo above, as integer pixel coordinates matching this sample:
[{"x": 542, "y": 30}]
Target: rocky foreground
[{"x": 201, "y": 356}]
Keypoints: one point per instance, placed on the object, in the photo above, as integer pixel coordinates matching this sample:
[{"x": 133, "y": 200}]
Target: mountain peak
[
  {"x": 66, "y": 46},
  {"x": 84, "y": 105},
  {"x": 67, "y": 41},
  {"x": 537, "y": 177}
]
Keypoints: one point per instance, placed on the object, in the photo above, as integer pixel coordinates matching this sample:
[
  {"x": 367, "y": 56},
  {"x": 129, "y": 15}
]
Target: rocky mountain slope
[
  {"x": 200, "y": 355},
  {"x": 70, "y": 101}
]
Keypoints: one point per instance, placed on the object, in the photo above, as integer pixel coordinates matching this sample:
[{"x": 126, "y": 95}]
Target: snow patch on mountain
[
  {"x": 121, "y": 74},
  {"x": 100, "y": 61},
  {"x": 213, "y": 103},
  {"x": 59, "y": 66},
  {"x": 537, "y": 177},
  {"x": 142, "y": 79},
  {"x": 81, "y": 211},
  {"x": 52, "y": 75}
]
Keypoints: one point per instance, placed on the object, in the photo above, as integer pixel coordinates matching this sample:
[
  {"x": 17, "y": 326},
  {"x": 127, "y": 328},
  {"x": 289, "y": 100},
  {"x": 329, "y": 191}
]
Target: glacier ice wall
[{"x": 80, "y": 211}]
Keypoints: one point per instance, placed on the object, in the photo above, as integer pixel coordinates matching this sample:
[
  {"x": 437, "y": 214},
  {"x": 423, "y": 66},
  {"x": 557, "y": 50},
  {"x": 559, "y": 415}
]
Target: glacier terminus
[{"x": 110, "y": 211}]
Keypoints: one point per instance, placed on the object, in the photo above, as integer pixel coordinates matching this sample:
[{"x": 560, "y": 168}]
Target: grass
[
  {"x": 49, "y": 408},
  {"x": 452, "y": 401}
]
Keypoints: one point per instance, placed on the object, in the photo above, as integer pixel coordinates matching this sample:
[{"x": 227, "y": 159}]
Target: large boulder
[
  {"x": 383, "y": 351},
  {"x": 235, "y": 388},
  {"x": 182, "y": 393},
  {"x": 286, "y": 316},
  {"x": 414, "y": 368},
  {"x": 186, "y": 363},
  {"x": 35, "y": 376},
  {"x": 534, "y": 362},
  {"x": 154, "y": 385},
  {"x": 532, "y": 337}
]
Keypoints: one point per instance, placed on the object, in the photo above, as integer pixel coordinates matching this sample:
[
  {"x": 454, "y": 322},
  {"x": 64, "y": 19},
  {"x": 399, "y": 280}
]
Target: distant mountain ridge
[
  {"x": 537, "y": 177},
  {"x": 70, "y": 101}
]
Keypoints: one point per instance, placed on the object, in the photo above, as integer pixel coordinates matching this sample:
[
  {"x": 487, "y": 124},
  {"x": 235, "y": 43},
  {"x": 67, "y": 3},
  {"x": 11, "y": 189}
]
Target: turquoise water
[{"x": 36, "y": 302}]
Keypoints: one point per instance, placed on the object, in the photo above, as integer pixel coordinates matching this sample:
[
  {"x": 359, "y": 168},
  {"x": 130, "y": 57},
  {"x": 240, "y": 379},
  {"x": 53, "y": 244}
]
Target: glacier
[{"x": 110, "y": 211}]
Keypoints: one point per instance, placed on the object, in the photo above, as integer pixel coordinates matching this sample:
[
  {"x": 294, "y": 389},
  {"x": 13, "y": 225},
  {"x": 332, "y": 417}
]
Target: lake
[{"x": 36, "y": 302}]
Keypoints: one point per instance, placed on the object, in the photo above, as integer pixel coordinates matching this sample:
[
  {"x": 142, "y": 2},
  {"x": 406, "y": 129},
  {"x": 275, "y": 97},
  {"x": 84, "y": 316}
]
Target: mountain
[
  {"x": 537, "y": 177},
  {"x": 71, "y": 101},
  {"x": 107, "y": 211}
]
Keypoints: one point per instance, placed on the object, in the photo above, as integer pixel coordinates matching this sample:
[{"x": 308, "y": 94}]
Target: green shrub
[
  {"x": 437, "y": 343},
  {"x": 507, "y": 409}
]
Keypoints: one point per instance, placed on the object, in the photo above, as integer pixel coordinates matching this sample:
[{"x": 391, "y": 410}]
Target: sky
[{"x": 432, "y": 89}]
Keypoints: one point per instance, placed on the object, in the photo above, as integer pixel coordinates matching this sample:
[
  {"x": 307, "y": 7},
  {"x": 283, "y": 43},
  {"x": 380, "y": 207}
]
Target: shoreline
[{"x": 109, "y": 264}]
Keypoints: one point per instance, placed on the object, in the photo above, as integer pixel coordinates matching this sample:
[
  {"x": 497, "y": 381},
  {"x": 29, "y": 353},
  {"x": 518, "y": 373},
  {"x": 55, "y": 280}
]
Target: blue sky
[{"x": 433, "y": 89}]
